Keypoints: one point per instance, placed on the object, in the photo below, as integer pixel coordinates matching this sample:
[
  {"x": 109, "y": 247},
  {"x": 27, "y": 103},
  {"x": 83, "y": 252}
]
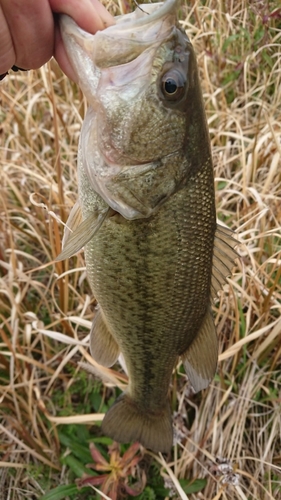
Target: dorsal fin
[{"x": 223, "y": 257}]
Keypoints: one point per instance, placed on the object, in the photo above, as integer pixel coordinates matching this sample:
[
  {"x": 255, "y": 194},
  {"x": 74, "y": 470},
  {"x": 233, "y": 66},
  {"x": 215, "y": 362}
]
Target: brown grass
[{"x": 46, "y": 307}]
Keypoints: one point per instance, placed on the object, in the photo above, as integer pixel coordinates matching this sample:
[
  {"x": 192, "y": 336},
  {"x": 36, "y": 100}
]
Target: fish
[{"x": 155, "y": 254}]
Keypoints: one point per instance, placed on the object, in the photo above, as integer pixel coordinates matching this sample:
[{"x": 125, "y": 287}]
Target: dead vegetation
[{"x": 230, "y": 434}]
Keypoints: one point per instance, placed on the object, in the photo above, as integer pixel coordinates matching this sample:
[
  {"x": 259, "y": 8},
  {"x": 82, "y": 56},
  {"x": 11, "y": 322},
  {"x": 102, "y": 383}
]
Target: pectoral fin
[
  {"x": 103, "y": 346},
  {"x": 201, "y": 358},
  {"x": 223, "y": 258},
  {"x": 73, "y": 222},
  {"x": 73, "y": 242}
]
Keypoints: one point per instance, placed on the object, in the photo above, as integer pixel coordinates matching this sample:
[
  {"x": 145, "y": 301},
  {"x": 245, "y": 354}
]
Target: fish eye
[
  {"x": 173, "y": 84},
  {"x": 170, "y": 86}
]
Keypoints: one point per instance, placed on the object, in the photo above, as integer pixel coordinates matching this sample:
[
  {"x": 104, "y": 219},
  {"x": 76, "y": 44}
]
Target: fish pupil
[{"x": 170, "y": 86}]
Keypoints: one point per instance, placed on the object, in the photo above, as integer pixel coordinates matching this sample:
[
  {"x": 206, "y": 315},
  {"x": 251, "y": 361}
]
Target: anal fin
[
  {"x": 103, "y": 346},
  {"x": 201, "y": 358}
]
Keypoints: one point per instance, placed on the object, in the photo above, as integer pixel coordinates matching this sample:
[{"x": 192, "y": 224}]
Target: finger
[
  {"x": 31, "y": 27},
  {"x": 7, "y": 53},
  {"x": 90, "y": 15},
  {"x": 62, "y": 58}
]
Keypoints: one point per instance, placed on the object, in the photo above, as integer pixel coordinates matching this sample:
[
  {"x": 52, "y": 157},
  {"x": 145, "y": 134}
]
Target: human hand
[{"x": 29, "y": 33}]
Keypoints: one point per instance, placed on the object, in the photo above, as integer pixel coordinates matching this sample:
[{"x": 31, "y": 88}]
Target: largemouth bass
[{"x": 146, "y": 213}]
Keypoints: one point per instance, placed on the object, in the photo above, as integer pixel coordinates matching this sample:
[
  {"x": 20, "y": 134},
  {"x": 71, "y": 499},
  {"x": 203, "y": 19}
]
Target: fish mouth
[
  {"x": 148, "y": 13},
  {"x": 121, "y": 42}
]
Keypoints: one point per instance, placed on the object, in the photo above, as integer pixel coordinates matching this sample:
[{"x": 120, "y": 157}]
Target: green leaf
[
  {"x": 102, "y": 440},
  {"x": 81, "y": 451},
  {"x": 193, "y": 486},
  {"x": 267, "y": 58},
  {"x": 221, "y": 185},
  {"x": 229, "y": 41},
  {"x": 96, "y": 400},
  {"x": 83, "y": 434},
  {"x": 61, "y": 492},
  {"x": 77, "y": 467},
  {"x": 231, "y": 76},
  {"x": 147, "y": 494}
]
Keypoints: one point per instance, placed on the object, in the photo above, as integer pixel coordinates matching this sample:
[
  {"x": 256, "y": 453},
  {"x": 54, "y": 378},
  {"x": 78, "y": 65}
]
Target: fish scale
[
  {"x": 155, "y": 255},
  {"x": 141, "y": 269}
]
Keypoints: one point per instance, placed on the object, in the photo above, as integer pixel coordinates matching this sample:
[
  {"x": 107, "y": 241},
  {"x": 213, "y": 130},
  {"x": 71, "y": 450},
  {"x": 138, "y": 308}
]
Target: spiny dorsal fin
[
  {"x": 223, "y": 257},
  {"x": 83, "y": 233}
]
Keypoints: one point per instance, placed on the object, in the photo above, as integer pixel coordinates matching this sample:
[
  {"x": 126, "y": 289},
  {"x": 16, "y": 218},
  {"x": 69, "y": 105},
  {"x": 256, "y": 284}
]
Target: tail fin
[{"x": 125, "y": 422}]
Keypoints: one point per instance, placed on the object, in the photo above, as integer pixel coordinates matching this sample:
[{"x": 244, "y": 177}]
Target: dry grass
[{"x": 238, "y": 418}]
